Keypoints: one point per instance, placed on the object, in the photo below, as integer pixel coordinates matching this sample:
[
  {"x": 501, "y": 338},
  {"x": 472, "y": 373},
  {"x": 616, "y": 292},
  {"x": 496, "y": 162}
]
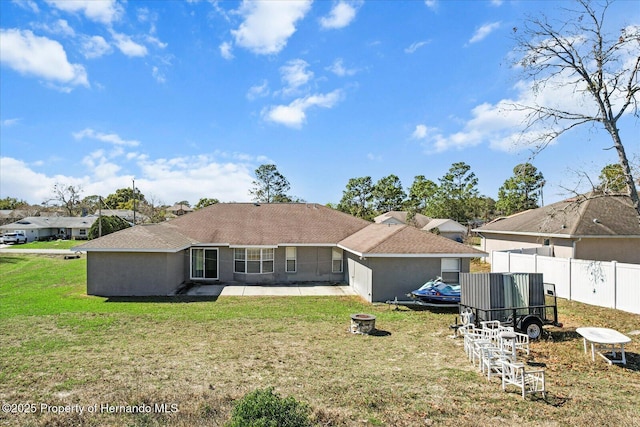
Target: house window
[
  {"x": 291, "y": 263},
  {"x": 450, "y": 270},
  {"x": 239, "y": 258},
  {"x": 82, "y": 232},
  {"x": 336, "y": 260},
  {"x": 204, "y": 263},
  {"x": 253, "y": 260}
]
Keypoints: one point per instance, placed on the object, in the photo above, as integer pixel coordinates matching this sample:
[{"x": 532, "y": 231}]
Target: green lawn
[
  {"x": 59, "y": 346},
  {"x": 53, "y": 244}
]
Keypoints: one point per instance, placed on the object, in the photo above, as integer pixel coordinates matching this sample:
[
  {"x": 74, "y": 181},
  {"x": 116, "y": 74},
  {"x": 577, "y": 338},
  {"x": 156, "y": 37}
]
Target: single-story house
[
  {"x": 276, "y": 243},
  {"x": 48, "y": 227},
  {"x": 127, "y": 214},
  {"x": 590, "y": 226},
  {"x": 179, "y": 210},
  {"x": 445, "y": 227}
]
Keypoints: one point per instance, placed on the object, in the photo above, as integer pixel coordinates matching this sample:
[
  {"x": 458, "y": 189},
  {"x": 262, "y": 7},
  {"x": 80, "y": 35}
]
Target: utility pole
[
  {"x": 134, "y": 201},
  {"x": 99, "y": 216}
]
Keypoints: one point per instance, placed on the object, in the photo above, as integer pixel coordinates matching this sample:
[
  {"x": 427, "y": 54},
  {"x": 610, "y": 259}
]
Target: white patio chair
[
  {"x": 521, "y": 342},
  {"x": 476, "y": 351},
  {"x": 491, "y": 360},
  {"x": 490, "y": 324},
  {"x": 529, "y": 381}
]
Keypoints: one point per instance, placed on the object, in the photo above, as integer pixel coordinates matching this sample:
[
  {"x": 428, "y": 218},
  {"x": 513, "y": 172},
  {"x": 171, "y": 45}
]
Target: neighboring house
[
  {"x": 400, "y": 217},
  {"x": 448, "y": 228},
  {"x": 127, "y": 214},
  {"x": 179, "y": 210},
  {"x": 48, "y": 227},
  {"x": 592, "y": 227},
  {"x": 271, "y": 244}
]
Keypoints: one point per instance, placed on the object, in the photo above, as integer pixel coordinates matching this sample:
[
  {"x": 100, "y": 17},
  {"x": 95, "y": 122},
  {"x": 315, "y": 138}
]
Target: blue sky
[{"x": 190, "y": 97}]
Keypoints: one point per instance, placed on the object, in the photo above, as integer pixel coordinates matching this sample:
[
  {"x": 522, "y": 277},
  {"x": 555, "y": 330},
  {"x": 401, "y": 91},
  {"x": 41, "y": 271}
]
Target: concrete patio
[{"x": 271, "y": 290}]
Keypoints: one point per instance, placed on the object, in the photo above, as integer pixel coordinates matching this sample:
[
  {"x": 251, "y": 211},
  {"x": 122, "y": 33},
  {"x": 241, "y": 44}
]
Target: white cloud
[
  {"x": 9, "y": 122},
  {"x": 295, "y": 74},
  {"x": 415, "y": 46},
  {"x": 339, "y": 69},
  {"x": 155, "y": 41},
  {"x": 420, "y": 132},
  {"x": 18, "y": 180},
  {"x": 127, "y": 46},
  {"x": 504, "y": 127},
  {"x": 225, "y": 50},
  {"x": 181, "y": 178},
  {"x": 104, "y": 11},
  {"x": 59, "y": 27},
  {"x": 268, "y": 25},
  {"x": 340, "y": 16},
  {"x": 41, "y": 57},
  {"x": 28, "y": 5},
  {"x": 258, "y": 91},
  {"x": 158, "y": 75},
  {"x": 482, "y": 32},
  {"x": 431, "y": 4},
  {"x": 496, "y": 2},
  {"x": 94, "y": 47},
  {"x": 294, "y": 114},
  {"x": 110, "y": 138}
]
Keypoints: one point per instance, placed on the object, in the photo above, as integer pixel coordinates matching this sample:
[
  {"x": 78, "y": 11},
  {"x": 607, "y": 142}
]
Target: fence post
[
  {"x": 614, "y": 266},
  {"x": 569, "y": 278}
]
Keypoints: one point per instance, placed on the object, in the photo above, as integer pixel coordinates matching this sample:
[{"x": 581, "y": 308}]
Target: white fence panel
[
  {"x": 628, "y": 287},
  {"x": 593, "y": 282},
  {"x": 556, "y": 271},
  {"x": 522, "y": 263},
  {"x": 605, "y": 284},
  {"x": 499, "y": 262}
]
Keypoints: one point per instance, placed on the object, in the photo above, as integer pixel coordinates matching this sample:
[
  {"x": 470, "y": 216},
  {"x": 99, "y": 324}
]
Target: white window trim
[
  {"x": 204, "y": 249},
  {"x": 294, "y": 259},
  {"x": 334, "y": 251},
  {"x": 262, "y": 260},
  {"x": 450, "y": 270}
]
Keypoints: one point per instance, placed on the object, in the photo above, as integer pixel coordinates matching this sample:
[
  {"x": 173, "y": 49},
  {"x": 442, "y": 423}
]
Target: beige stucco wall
[
  {"x": 621, "y": 250},
  {"x": 562, "y": 248},
  {"x": 599, "y": 249},
  {"x": 134, "y": 274}
]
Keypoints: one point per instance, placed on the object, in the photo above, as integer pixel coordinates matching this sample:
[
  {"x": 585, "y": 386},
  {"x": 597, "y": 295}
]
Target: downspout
[{"x": 573, "y": 254}]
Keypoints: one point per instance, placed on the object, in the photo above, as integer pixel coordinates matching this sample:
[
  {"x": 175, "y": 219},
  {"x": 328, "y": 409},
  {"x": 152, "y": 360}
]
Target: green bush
[{"x": 264, "y": 408}]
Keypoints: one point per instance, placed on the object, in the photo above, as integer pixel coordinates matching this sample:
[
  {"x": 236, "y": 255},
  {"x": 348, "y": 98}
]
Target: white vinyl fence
[{"x": 606, "y": 284}]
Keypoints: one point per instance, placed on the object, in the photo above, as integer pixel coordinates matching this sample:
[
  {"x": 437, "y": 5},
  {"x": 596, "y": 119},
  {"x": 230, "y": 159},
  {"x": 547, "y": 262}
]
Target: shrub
[{"x": 264, "y": 408}]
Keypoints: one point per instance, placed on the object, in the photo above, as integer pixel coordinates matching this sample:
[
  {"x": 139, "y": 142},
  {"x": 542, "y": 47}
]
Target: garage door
[{"x": 360, "y": 279}]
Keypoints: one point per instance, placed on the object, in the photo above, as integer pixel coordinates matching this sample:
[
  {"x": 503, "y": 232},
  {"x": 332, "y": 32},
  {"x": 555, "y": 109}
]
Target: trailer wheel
[{"x": 532, "y": 327}]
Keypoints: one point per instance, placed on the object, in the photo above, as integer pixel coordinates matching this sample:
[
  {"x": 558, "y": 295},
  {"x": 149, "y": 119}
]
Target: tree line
[{"x": 455, "y": 195}]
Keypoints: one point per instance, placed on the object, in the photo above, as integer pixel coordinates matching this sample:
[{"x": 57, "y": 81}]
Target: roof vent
[
  {"x": 596, "y": 221},
  {"x": 256, "y": 204}
]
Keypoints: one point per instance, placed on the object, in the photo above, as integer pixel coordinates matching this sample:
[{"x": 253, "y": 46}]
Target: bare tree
[
  {"x": 68, "y": 196},
  {"x": 599, "y": 68}
]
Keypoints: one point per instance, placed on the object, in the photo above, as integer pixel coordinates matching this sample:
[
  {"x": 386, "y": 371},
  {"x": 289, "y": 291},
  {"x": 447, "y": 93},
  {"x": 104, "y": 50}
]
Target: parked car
[{"x": 14, "y": 238}]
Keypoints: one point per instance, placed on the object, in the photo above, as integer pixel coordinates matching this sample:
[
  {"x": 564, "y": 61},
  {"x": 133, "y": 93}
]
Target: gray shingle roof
[
  {"x": 36, "y": 222},
  {"x": 584, "y": 216},
  {"x": 246, "y": 224},
  {"x": 148, "y": 238},
  {"x": 377, "y": 239}
]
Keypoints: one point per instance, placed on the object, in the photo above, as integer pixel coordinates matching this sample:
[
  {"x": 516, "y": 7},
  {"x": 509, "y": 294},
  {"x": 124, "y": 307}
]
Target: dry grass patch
[{"x": 203, "y": 356}]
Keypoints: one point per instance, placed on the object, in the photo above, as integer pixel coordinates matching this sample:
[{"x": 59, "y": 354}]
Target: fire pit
[{"x": 362, "y": 323}]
